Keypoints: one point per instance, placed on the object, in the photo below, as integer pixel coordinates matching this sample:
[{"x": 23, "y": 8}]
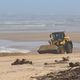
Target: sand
[
  {"x": 28, "y": 36},
  {"x": 27, "y": 71}
]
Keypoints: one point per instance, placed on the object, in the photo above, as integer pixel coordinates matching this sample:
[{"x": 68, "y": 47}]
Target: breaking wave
[{"x": 13, "y": 50}]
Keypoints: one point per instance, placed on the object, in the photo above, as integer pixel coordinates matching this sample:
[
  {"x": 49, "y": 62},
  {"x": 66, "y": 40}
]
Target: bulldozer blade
[{"x": 47, "y": 49}]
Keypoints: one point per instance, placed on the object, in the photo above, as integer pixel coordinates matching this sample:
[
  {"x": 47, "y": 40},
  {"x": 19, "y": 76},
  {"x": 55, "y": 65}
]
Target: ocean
[
  {"x": 39, "y": 27},
  {"x": 25, "y": 46}
]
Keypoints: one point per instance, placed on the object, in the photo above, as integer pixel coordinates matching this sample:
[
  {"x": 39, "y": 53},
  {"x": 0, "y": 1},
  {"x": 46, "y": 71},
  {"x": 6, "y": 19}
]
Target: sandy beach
[{"x": 28, "y": 71}]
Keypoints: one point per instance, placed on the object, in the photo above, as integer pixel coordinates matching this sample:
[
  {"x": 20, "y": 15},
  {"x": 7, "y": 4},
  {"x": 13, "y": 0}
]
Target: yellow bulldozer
[{"x": 59, "y": 43}]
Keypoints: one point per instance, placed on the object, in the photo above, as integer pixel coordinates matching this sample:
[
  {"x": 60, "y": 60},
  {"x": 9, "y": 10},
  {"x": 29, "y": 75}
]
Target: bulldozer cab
[{"x": 57, "y": 36}]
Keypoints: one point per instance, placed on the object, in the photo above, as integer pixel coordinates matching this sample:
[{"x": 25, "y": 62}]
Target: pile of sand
[{"x": 73, "y": 74}]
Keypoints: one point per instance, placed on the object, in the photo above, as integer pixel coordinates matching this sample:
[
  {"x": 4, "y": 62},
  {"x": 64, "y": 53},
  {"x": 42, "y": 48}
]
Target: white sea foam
[
  {"x": 43, "y": 27},
  {"x": 13, "y": 50},
  {"x": 7, "y": 46}
]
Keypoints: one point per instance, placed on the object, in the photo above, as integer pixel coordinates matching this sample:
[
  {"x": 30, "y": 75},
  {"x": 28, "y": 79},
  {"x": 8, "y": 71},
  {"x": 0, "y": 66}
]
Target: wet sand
[{"x": 26, "y": 36}]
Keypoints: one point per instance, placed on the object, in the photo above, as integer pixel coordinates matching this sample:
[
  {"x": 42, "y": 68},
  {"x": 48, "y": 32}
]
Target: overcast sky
[{"x": 43, "y": 7}]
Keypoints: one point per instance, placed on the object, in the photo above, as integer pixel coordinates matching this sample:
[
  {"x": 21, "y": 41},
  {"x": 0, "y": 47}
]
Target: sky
[{"x": 40, "y": 7}]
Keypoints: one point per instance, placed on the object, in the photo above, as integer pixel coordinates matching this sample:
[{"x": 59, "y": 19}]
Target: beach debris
[
  {"x": 48, "y": 63},
  {"x": 64, "y": 60},
  {"x": 16, "y": 62},
  {"x": 71, "y": 64},
  {"x": 20, "y": 62},
  {"x": 73, "y": 74}
]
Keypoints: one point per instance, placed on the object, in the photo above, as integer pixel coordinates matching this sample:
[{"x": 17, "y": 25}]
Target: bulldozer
[{"x": 59, "y": 43}]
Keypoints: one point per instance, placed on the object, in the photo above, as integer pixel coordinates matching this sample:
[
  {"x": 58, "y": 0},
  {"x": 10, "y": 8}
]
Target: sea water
[
  {"x": 39, "y": 27},
  {"x": 24, "y": 46}
]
